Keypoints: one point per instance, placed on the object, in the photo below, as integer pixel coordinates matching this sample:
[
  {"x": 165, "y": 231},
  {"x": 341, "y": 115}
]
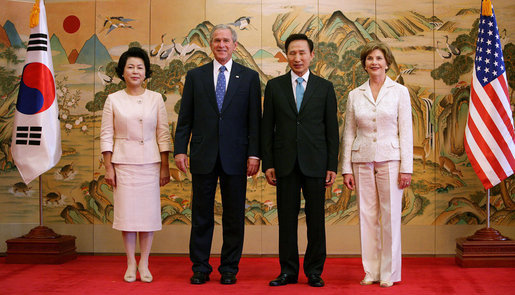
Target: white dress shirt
[
  {"x": 227, "y": 72},
  {"x": 294, "y": 82}
]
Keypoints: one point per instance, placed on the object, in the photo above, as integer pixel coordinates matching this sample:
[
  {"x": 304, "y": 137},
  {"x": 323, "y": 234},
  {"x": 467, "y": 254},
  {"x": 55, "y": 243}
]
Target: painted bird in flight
[
  {"x": 242, "y": 23},
  {"x": 115, "y": 22}
]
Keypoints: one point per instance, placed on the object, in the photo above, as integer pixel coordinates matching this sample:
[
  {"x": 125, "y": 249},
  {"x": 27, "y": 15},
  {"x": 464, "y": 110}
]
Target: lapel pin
[{"x": 237, "y": 77}]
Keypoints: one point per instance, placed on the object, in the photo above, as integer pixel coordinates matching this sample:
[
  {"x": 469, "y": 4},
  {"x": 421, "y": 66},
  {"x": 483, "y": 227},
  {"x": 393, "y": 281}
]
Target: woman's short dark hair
[
  {"x": 133, "y": 52},
  {"x": 294, "y": 37},
  {"x": 371, "y": 46}
]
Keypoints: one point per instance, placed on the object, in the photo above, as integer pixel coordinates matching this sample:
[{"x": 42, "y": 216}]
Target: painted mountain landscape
[{"x": 433, "y": 49}]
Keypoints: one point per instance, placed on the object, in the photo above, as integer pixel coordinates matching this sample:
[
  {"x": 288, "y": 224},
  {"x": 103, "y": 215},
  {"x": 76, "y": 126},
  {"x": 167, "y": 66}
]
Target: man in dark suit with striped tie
[
  {"x": 299, "y": 136},
  {"x": 220, "y": 111}
]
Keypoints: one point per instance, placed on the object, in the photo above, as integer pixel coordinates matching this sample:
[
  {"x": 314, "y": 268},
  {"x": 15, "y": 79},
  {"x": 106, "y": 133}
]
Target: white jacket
[
  {"x": 135, "y": 128},
  {"x": 381, "y": 130}
]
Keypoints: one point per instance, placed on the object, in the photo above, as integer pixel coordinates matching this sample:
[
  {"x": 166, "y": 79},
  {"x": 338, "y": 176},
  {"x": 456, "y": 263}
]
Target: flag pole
[
  {"x": 41, "y": 231},
  {"x": 488, "y": 208},
  {"x": 487, "y": 233},
  {"x": 40, "y": 202}
]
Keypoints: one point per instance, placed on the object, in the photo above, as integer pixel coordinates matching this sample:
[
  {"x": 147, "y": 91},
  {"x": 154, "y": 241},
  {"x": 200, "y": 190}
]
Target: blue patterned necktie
[
  {"x": 220, "y": 88},
  {"x": 299, "y": 92}
]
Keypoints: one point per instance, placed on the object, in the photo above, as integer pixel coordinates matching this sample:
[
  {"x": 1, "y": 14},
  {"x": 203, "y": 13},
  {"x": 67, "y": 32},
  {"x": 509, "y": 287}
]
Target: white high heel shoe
[
  {"x": 130, "y": 275},
  {"x": 366, "y": 283},
  {"x": 367, "y": 280},
  {"x": 145, "y": 274},
  {"x": 385, "y": 284}
]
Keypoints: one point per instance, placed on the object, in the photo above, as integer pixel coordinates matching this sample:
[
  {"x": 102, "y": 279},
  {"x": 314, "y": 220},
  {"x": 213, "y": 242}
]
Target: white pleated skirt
[{"x": 137, "y": 202}]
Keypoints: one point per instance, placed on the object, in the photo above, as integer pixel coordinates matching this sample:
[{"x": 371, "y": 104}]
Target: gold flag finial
[
  {"x": 487, "y": 8},
  {"x": 34, "y": 15}
]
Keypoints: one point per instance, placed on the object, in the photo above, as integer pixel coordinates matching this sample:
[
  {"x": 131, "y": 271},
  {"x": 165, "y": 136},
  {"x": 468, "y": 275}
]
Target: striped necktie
[{"x": 220, "y": 88}]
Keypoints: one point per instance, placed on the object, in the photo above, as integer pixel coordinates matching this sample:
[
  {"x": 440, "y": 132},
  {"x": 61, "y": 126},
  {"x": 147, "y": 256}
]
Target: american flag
[{"x": 489, "y": 134}]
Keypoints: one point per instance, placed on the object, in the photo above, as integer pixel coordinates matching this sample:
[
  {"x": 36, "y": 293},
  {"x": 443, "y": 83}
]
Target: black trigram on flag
[
  {"x": 28, "y": 135},
  {"x": 38, "y": 42}
]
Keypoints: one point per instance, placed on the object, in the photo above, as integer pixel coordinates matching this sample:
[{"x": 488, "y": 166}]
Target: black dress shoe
[
  {"x": 283, "y": 279},
  {"x": 315, "y": 281},
  {"x": 228, "y": 278},
  {"x": 199, "y": 278}
]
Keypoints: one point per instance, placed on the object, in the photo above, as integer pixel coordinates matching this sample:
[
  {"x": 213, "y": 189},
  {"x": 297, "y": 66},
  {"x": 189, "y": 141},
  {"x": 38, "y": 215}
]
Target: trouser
[
  {"x": 380, "y": 205},
  {"x": 233, "y": 190},
  {"x": 288, "y": 206}
]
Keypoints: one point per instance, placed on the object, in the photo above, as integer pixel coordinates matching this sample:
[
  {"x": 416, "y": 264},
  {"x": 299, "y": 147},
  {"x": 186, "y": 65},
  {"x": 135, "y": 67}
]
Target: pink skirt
[{"x": 137, "y": 202}]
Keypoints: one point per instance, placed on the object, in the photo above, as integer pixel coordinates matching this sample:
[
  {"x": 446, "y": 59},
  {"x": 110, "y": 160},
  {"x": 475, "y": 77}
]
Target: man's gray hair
[{"x": 223, "y": 27}]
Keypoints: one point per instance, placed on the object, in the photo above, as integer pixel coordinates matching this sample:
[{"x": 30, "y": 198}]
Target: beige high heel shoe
[
  {"x": 145, "y": 274},
  {"x": 130, "y": 275},
  {"x": 366, "y": 283},
  {"x": 385, "y": 284}
]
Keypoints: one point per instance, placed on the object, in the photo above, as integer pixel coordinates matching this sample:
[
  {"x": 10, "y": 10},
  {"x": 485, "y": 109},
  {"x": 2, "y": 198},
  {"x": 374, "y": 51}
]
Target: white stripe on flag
[
  {"x": 480, "y": 158},
  {"x": 503, "y": 98}
]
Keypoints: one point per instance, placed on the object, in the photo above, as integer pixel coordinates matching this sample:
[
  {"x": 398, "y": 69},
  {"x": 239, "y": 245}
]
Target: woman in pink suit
[
  {"x": 378, "y": 162},
  {"x": 135, "y": 141}
]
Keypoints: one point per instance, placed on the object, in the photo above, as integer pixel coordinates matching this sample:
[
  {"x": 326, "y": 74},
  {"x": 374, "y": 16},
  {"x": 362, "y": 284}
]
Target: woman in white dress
[
  {"x": 378, "y": 162},
  {"x": 135, "y": 142}
]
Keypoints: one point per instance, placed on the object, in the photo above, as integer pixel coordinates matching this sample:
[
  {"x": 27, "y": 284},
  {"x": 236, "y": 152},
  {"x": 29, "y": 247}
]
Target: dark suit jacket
[
  {"x": 309, "y": 136},
  {"x": 232, "y": 133}
]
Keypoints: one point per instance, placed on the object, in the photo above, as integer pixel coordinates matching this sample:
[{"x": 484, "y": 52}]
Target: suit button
[
  {"x": 375, "y": 130},
  {"x": 141, "y": 120},
  {"x": 298, "y": 123},
  {"x": 141, "y": 142},
  {"x": 375, "y": 140},
  {"x": 373, "y": 120}
]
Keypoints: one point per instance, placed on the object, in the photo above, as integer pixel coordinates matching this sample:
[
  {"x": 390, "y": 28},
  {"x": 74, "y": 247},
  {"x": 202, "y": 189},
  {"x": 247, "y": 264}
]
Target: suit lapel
[
  {"x": 287, "y": 85},
  {"x": 234, "y": 82},
  {"x": 210, "y": 85},
  {"x": 367, "y": 92}
]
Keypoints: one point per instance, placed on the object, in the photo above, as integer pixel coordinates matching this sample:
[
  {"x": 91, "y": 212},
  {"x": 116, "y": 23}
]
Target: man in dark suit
[
  {"x": 299, "y": 137},
  {"x": 220, "y": 110}
]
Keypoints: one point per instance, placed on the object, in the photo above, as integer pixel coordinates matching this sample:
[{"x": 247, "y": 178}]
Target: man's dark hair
[{"x": 294, "y": 37}]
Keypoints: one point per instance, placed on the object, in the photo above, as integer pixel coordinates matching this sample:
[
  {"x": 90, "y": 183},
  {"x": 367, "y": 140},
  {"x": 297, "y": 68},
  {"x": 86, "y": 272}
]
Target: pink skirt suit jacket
[{"x": 135, "y": 128}]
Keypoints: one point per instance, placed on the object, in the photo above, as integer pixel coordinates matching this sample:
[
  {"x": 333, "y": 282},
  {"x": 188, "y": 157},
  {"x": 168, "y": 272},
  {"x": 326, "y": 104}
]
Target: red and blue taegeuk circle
[{"x": 37, "y": 89}]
